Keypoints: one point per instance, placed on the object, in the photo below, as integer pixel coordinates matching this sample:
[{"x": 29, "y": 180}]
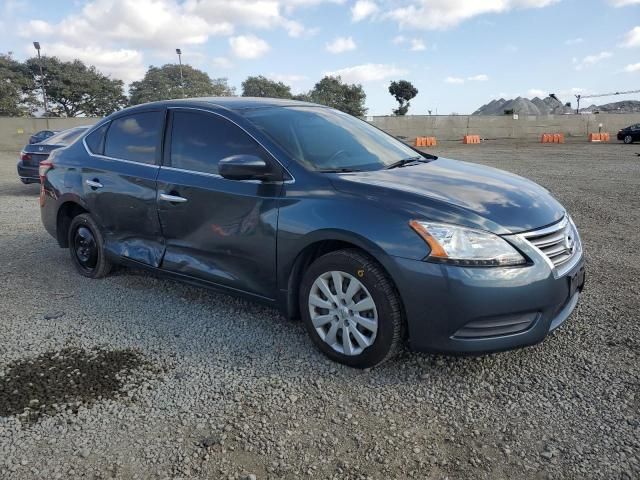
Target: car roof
[{"x": 229, "y": 103}]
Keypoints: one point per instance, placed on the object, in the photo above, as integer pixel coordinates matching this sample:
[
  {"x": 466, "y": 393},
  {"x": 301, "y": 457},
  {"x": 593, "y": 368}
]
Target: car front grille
[{"x": 559, "y": 242}]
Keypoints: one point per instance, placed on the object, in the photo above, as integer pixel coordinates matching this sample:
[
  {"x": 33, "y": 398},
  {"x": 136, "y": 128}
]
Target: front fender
[{"x": 366, "y": 223}]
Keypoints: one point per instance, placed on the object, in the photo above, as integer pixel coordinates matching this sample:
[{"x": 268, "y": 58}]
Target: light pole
[
  {"x": 179, "y": 52},
  {"x": 44, "y": 92}
]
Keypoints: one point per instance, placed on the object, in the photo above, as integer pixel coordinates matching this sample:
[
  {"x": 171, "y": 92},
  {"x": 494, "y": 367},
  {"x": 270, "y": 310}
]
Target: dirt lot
[{"x": 137, "y": 377}]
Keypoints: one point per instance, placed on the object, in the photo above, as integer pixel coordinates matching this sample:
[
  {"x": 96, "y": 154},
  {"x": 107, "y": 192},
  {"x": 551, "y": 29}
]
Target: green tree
[
  {"x": 18, "y": 90},
  {"x": 163, "y": 83},
  {"x": 75, "y": 89},
  {"x": 331, "y": 91},
  {"x": 263, "y": 87},
  {"x": 403, "y": 91},
  {"x": 302, "y": 97}
]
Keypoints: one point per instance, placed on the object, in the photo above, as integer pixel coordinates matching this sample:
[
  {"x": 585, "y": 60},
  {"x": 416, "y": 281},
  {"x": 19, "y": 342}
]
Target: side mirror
[{"x": 245, "y": 167}]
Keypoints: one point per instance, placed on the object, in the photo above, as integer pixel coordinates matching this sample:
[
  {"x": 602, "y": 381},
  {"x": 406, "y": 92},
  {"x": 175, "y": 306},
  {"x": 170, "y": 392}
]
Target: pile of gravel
[{"x": 524, "y": 106}]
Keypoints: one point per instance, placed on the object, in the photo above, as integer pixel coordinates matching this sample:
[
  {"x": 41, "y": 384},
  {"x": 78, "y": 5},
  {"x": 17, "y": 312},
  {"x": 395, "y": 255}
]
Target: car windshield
[
  {"x": 66, "y": 137},
  {"x": 324, "y": 139}
]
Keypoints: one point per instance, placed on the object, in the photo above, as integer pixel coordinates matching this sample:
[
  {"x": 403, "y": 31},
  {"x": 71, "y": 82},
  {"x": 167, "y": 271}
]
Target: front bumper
[
  {"x": 28, "y": 173},
  {"x": 458, "y": 310}
]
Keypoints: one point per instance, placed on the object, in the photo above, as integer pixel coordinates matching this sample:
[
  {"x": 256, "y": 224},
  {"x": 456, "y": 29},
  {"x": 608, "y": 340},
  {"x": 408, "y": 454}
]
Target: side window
[
  {"x": 95, "y": 140},
  {"x": 199, "y": 141},
  {"x": 135, "y": 137}
]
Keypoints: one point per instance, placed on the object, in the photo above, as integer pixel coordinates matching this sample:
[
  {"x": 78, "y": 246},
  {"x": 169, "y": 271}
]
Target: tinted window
[
  {"x": 95, "y": 140},
  {"x": 65, "y": 137},
  {"x": 135, "y": 137},
  {"x": 199, "y": 141},
  {"x": 326, "y": 139}
]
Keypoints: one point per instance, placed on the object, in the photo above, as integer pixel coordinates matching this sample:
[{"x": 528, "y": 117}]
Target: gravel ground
[{"x": 205, "y": 385}]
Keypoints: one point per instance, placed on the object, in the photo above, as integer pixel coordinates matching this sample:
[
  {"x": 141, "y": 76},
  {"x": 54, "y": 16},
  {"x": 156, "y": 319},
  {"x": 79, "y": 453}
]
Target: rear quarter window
[
  {"x": 135, "y": 137},
  {"x": 95, "y": 140}
]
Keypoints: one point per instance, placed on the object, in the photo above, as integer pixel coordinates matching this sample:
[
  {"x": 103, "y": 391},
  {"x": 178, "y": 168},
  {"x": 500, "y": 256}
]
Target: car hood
[{"x": 462, "y": 193}]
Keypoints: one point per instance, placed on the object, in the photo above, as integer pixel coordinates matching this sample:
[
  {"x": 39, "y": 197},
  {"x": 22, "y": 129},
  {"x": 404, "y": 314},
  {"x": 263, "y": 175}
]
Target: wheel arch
[
  {"x": 69, "y": 208},
  {"x": 320, "y": 243}
]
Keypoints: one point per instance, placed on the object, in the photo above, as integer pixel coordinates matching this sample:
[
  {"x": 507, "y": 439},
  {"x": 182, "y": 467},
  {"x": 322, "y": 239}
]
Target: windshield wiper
[
  {"x": 406, "y": 161},
  {"x": 338, "y": 170}
]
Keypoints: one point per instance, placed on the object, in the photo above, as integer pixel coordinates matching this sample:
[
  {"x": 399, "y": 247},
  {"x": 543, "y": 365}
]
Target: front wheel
[
  {"x": 628, "y": 139},
  {"x": 351, "y": 309},
  {"x": 86, "y": 247}
]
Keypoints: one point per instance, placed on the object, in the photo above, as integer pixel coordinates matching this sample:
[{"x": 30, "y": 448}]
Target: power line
[{"x": 596, "y": 95}]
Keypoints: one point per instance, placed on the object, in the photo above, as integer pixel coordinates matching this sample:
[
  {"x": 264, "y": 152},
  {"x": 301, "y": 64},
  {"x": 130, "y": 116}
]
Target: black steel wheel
[{"x": 86, "y": 247}]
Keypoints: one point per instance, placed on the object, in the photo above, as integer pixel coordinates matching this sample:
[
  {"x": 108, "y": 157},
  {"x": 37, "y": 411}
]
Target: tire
[
  {"x": 86, "y": 247},
  {"x": 368, "y": 348},
  {"x": 628, "y": 139}
]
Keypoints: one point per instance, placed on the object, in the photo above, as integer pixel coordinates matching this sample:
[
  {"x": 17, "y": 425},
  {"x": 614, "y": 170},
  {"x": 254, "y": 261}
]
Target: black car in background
[
  {"x": 630, "y": 134},
  {"x": 33, "y": 153},
  {"x": 41, "y": 136}
]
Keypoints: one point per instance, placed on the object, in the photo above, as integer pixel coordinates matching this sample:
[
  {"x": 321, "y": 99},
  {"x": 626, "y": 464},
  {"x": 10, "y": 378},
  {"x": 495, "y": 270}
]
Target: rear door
[
  {"x": 119, "y": 184},
  {"x": 218, "y": 230}
]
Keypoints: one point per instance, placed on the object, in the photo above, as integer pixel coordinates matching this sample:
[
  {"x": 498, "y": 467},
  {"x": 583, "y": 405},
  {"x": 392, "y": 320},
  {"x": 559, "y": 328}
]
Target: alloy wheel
[{"x": 343, "y": 312}]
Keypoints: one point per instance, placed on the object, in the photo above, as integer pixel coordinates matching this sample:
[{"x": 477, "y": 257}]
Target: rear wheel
[
  {"x": 86, "y": 247},
  {"x": 351, "y": 309},
  {"x": 628, "y": 139}
]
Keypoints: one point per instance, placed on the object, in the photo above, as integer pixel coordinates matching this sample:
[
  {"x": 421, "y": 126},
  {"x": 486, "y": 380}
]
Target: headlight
[{"x": 466, "y": 246}]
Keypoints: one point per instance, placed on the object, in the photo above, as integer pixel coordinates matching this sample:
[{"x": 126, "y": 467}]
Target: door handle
[
  {"x": 171, "y": 198},
  {"x": 93, "y": 183}
]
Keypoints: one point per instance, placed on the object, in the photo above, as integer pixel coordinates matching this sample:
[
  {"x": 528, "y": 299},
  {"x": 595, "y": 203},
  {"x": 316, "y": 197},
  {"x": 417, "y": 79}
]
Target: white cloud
[
  {"x": 399, "y": 39},
  {"x": 367, "y": 72},
  {"x": 631, "y": 38},
  {"x": 122, "y": 64},
  {"x": 363, "y": 9},
  {"x": 624, "y": 3},
  {"x": 340, "y": 45},
  {"x": 287, "y": 78},
  {"x": 162, "y": 24},
  {"x": 574, "y": 41},
  {"x": 454, "y": 80},
  {"x": 481, "y": 77},
  {"x": 140, "y": 23},
  {"x": 417, "y": 45},
  {"x": 591, "y": 60},
  {"x": 248, "y": 46},
  {"x": 39, "y": 27},
  {"x": 262, "y": 14},
  {"x": 442, "y": 14},
  {"x": 632, "y": 68},
  {"x": 222, "y": 62},
  {"x": 536, "y": 92}
]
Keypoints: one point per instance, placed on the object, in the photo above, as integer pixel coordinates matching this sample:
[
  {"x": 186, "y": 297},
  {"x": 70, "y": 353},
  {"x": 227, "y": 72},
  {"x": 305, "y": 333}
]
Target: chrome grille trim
[{"x": 559, "y": 244}]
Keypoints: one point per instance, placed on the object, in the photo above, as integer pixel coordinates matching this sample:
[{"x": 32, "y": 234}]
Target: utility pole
[
  {"x": 44, "y": 92},
  {"x": 179, "y": 52}
]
